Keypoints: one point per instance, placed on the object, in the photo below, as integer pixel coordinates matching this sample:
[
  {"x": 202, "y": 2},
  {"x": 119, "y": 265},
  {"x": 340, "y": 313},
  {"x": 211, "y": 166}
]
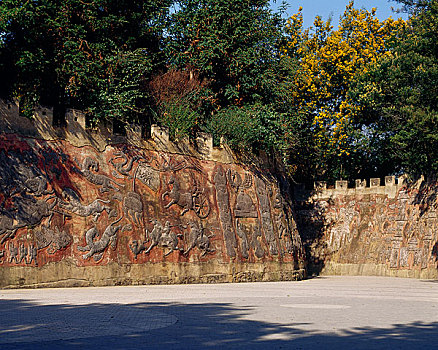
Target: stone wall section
[
  {"x": 88, "y": 207},
  {"x": 389, "y": 230}
]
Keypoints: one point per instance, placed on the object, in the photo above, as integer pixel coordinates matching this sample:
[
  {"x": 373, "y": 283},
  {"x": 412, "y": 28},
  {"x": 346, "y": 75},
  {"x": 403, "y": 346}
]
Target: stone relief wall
[
  {"x": 87, "y": 207},
  {"x": 383, "y": 230},
  {"x": 128, "y": 209}
]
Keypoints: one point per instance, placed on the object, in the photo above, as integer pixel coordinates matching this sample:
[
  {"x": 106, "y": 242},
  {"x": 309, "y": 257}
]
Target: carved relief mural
[
  {"x": 193, "y": 198},
  {"x": 399, "y": 233},
  {"x": 223, "y": 203},
  {"x": 265, "y": 212},
  {"x": 139, "y": 206},
  {"x": 244, "y": 206}
]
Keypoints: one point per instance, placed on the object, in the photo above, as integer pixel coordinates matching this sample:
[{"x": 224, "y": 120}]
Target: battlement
[
  {"x": 78, "y": 130},
  {"x": 321, "y": 189}
]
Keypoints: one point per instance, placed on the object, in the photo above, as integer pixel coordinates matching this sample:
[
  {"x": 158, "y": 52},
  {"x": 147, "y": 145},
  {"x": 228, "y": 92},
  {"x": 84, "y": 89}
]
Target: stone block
[
  {"x": 40, "y": 125},
  {"x": 75, "y": 120},
  {"x": 403, "y": 179},
  {"x": 375, "y": 182},
  {"x": 44, "y": 115},
  {"x": 134, "y": 132},
  {"x": 160, "y": 133},
  {"x": 9, "y": 109},
  {"x": 389, "y": 180},
  {"x": 43, "y": 121},
  {"x": 204, "y": 143},
  {"x": 360, "y": 184},
  {"x": 320, "y": 185},
  {"x": 341, "y": 185},
  {"x": 222, "y": 142}
]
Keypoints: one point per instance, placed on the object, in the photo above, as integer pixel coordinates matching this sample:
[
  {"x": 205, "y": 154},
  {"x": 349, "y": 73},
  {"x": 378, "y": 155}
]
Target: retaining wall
[
  {"x": 81, "y": 207},
  {"x": 389, "y": 230}
]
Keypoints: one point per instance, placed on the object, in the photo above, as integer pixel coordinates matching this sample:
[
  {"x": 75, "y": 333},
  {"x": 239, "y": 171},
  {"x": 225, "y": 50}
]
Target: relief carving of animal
[
  {"x": 203, "y": 244},
  {"x": 73, "y": 204},
  {"x": 7, "y": 227},
  {"x": 177, "y": 196},
  {"x": 37, "y": 186},
  {"x": 162, "y": 236},
  {"x": 169, "y": 239},
  {"x": 154, "y": 236},
  {"x": 95, "y": 247},
  {"x": 89, "y": 169},
  {"x": 124, "y": 167},
  {"x": 148, "y": 176},
  {"x": 55, "y": 239},
  {"x": 26, "y": 211},
  {"x": 174, "y": 164},
  {"x": 197, "y": 238},
  {"x": 133, "y": 207},
  {"x": 137, "y": 247},
  {"x": 194, "y": 200},
  {"x": 30, "y": 212}
]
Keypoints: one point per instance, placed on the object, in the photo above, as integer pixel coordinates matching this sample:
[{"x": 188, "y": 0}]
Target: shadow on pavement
[{"x": 24, "y": 325}]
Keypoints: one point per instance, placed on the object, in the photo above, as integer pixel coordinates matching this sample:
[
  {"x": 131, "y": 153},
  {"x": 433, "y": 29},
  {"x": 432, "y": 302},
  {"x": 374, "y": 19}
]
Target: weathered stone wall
[
  {"x": 386, "y": 230},
  {"x": 84, "y": 207}
]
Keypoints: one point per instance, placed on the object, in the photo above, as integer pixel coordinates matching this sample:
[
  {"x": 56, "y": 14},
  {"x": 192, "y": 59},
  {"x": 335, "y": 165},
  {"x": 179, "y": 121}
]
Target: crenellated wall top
[
  {"x": 78, "y": 133},
  {"x": 390, "y": 186}
]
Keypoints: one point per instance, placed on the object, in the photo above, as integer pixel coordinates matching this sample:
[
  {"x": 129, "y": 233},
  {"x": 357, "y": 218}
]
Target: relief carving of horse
[{"x": 194, "y": 200}]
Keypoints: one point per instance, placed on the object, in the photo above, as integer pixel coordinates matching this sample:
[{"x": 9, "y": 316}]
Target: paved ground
[{"x": 322, "y": 313}]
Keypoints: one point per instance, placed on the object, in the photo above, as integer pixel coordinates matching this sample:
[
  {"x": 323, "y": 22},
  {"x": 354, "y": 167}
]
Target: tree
[
  {"x": 398, "y": 95},
  {"x": 85, "y": 54},
  {"x": 329, "y": 60},
  {"x": 232, "y": 44},
  {"x": 232, "y": 49},
  {"x": 413, "y": 6}
]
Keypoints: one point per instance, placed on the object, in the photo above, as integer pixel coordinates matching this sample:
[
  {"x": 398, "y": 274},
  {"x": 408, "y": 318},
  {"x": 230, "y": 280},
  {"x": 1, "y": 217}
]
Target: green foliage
[
  {"x": 232, "y": 44},
  {"x": 77, "y": 53},
  {"x": 249, "y": 128},
  {"x": 358, "y": 101},
  {"x": 413, "y": 6},
  {"x": 327, "y": 61},
  {"x": 232, "y": 47},
  {"x": 179, "y": 116},
  {"x": 122, "y": 96},
  {"x": 399, "y": 96},
  {"x": 176, "y": 95}
]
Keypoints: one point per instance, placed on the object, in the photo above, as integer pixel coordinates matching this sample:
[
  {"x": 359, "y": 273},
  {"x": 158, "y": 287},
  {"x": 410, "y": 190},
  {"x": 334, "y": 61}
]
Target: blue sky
[{"x": 335, "y": 8}]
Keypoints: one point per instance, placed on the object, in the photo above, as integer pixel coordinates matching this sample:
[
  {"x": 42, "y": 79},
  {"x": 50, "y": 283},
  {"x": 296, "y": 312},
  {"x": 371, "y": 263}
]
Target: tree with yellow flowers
[{"x": 329, "y": 60}]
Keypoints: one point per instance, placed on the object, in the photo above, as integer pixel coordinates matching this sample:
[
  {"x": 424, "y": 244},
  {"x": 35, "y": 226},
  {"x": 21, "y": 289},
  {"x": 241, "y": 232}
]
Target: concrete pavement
[{"x": 321, "y": 313}]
